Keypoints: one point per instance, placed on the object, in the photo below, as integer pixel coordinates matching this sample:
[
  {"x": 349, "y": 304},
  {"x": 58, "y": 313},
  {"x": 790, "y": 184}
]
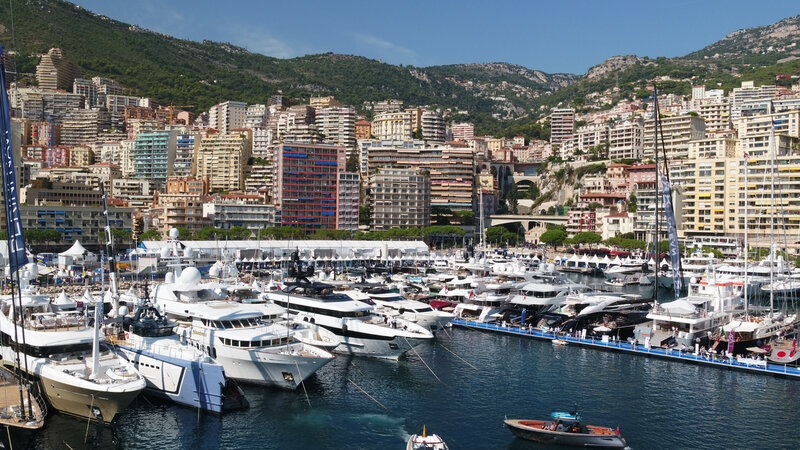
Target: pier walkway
[{"x": 778, "y": 370}]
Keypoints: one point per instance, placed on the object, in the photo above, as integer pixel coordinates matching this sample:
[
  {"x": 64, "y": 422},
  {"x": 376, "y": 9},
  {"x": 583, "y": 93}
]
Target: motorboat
[
  {"x": 394, "y": 304},
  {"x": 425, "y": 442},
  {"x": 565, "y": 428},
  {"x": 21, "y": 419},
  {"x": 752, "y": 330},
  {"x": 173, "y": 368}
]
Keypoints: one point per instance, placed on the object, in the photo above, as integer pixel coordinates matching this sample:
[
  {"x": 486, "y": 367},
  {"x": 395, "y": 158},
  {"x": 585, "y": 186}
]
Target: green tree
[
  {"x": 465, "y": 217},
  {"x": 418, "y": 134},
  {"x": 587, "y": 237},
  {"x": 554, "y": 237},
  {"x": 533, "y": 192},
  {"x": 594, "y": 205},
  {"x": 184, "y": 234},
  {"x": 494, "y": 234},
  {"x": 364, "y": 215},
  {"x": 150, "y": 235},
  {"x": 239, "y": 233},
  {"x": 353, "y": 163}
]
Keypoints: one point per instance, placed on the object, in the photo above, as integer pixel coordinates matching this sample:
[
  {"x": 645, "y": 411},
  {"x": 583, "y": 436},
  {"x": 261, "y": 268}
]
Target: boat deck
[
  {"x": 777, "y": 370},
  {"x": 10, "y": 413}
]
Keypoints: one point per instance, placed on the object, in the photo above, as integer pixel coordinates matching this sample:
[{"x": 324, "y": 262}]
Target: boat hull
[
  {"x": 190, "y": 383},
  {"x": 86, "y": 403},
  {"x": 562, "y": 438},
  {"x": 275, "y": 369}
]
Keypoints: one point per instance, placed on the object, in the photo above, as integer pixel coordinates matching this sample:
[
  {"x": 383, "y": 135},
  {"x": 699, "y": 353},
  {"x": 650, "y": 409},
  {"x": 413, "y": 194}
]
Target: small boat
[
  {"x": 425, "y": 442},
  {"x": 565, "y": 429},
  {"x": 559, "y": 342}
]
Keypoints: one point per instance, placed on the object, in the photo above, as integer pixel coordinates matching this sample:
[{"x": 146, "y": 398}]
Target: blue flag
[
  {"x": 16, "y": 240},
  {"x": 672, "y": 229}
]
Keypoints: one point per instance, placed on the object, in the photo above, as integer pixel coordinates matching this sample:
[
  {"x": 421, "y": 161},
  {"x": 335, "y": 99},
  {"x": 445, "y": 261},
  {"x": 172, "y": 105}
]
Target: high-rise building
[
  {"x": 716, "y": 114},
  {"x": 305, "y": 186},
  {"x": 562, "y": 127},
  {"x": 626, "y": 139},
  {"x": 433, "y": 127},
  {"x": 185, "y": 151},
  {"x": 400, "y": 198},
  {"x": 154, "y": 155},
  {"x": 228, "y": 116},
  {"x": 393, "y": 126},
  {"x": 323, "y": 102},
  {"x": 297, "y": 124},
  {"x": 81, "y": 126},
  {"x": 221, "y": 158},
  {"x": 747, "y": 92},
  {"x": 451, "y": 169},
  {"x": 42, "y": 105},
  {"x": 45, "y": 133},
  {"x": 337, "y": 126},
  {"x": 54, "y": 71},
  {"x": 347, "y": 201},
  {"x": 256, "y": 116},
  {"x": 81, "y": 156},
  {"x": 674, "y": 135}
]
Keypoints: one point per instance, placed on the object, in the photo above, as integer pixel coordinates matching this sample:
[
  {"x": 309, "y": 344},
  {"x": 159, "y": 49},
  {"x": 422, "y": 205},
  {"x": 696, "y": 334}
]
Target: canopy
[
  {"x": 680, "y": 306},
  {"x": 76, "y": 250},
  {"x": 756, "y": 350}
]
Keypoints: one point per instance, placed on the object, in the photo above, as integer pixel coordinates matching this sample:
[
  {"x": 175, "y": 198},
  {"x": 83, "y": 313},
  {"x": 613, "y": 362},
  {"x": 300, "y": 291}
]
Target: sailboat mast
[
  {"x": 655, "y": 152},
  {"x": 112, "y": 263},
  {"x": 772, "y": 218},
  {"x": 480, "y": 202},
  {"x": 746, "y": 224}
]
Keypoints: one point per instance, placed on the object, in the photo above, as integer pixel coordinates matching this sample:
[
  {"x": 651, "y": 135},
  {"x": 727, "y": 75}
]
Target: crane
[{"x": 171, "y": 109}]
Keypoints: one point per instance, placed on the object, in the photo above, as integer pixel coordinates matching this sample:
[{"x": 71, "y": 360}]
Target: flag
[
  {"x": 731, "y": 342},
  {"x": 794, "y": 347},
  {"x": 617, "y": 430},
  {"x": 16, "y": 240},
  {"x": 674, "y": 249}
]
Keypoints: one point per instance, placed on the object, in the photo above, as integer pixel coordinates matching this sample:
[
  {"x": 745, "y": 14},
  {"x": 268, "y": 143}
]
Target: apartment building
[
  {"x": 227, "y": 213},
  {"x": 81, "y": 156},
  {"x": 562, "y": 127},
  {"x": 347, "y": 200},
  {"x": 221, "y": 158},
  {"x": 591, "y": 135},
  {"x": 228, "y": 116},
  {"x": 747, "y": 92},
  {"x": 305, "y": 186},
  {"x": 433, "y": 127},
  {"x": 337, "y": 126},
  {"x": 41, "y": 105},
  {"x": 462, "y": 131},
  {"x": 393, "y": 126},
  {"x": 717, "y": 115},
  {"x": 626, "y": 140},
  {"x": 400, "y": 198},
  {"x": 54, "y": 71},
  {"x": 154, "y": 155},
  {"x": 45, "y": 133},
  {"x": 363, "y": 130},
  {"x": 677, "y": 132},
  {"x": 185, "y": 150},
  {"x": 75, "y": 223},
  {"x": 81, "y": 126}
]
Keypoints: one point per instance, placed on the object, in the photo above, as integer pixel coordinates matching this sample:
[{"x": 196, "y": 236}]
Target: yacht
[
  {"x": 360, "y": 328},
  {"x": 79, "y": 375},
  {"x": 697, "y": 265},
  {"x": 173, "y": 368},
  {"x": 249, "y": 345},
  {"x": 394, "y": 304},
  {"x": 694, "y": 318}
]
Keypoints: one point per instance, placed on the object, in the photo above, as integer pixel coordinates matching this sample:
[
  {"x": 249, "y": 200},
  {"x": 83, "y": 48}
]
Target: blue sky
[{"x": 553, "y": 36}]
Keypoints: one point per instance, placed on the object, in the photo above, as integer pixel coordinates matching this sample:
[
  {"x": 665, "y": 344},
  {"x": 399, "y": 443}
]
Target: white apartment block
[
  {"x": 626, "y": 140},
  {"x": 256, "y": 116},
  {"x": 562, "y": 125},
  {"x": 263, "y": 143},
  {"x": 716, "y": 114},
  {"x": 433, "y": 127},
  {"x": 591, "y": 135},
  {"x": 221, "y": 158},
  {"x": 393, "y": 126}
]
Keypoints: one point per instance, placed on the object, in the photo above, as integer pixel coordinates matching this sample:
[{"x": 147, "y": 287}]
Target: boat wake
[{"x": 383, "y": 425}]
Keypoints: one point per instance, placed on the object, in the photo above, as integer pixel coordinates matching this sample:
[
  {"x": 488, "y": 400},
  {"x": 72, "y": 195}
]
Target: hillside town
[{"x": 319, "y": 165}]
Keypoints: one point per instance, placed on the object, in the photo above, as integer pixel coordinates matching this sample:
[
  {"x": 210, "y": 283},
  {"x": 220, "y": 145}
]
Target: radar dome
[
  {"x": 165, "y": 252},
  {"x": 123, "y": 311},
  {"x": 169, "y": 278},
  {"x": 173, "y": 233},
  {"x": 190, "y": 276}
]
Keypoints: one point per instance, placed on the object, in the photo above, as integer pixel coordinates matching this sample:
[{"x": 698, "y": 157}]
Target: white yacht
[
  {"x": 694, "y": 318},
  {"x": 79, "y": 374},
  {"x": 361, "y": 330},
  {"x": 248, "y": 344},
  {"x": 394, "y": 304}
]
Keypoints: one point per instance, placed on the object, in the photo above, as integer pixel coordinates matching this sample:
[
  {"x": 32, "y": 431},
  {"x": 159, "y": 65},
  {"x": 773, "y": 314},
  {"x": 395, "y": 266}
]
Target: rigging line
[
  {"x": 423, "y": 361},
  {"x": 454, "y": 354},
  {"x": 367, "y": 394},
  {"x": 302, "y": 383}
]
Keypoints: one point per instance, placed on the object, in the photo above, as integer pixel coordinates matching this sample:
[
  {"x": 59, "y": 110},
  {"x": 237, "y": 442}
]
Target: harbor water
[{"x": 655, "y": 403}]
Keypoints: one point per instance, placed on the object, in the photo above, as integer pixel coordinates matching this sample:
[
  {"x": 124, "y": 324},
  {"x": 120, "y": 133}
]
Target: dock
[{"x": 777, "y": 370}]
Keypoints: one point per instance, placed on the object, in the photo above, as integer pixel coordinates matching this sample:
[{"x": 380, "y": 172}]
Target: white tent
[{"x": 76, "y": 250}]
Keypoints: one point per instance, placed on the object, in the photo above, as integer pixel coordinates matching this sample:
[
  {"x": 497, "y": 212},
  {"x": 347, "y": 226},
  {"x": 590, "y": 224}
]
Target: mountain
[
  {"x": 180, "y": 71},
  {"x": 767, "y": 44}
]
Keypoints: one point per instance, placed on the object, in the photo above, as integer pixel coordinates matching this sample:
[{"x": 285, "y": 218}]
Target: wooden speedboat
[
  {"x": 565, "y": 429},
  {"x": 425, "y": 442}
]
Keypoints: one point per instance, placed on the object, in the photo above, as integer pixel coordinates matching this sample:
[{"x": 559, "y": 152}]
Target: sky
[{"x": 552, "y": 36}]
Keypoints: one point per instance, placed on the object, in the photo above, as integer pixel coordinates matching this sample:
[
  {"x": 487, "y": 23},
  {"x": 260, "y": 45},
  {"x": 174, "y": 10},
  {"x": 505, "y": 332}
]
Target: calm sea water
[{"x": 656, "y": 404}]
